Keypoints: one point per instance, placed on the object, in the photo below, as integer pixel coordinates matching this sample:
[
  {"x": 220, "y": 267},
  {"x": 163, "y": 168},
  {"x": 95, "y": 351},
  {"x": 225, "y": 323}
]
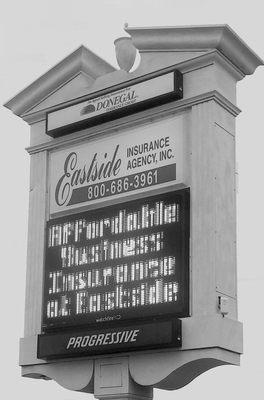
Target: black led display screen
[{"x": 123, "y": 262}]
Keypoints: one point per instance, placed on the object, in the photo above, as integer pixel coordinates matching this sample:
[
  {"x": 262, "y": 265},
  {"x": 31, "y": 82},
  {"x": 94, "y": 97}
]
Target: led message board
[{"x": 118, "y": 263}]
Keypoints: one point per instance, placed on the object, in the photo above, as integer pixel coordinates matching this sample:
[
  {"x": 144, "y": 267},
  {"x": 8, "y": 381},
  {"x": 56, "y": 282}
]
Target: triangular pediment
[
  {"x": 65, "y": 81},
  {"x": 75, "y": 87}
]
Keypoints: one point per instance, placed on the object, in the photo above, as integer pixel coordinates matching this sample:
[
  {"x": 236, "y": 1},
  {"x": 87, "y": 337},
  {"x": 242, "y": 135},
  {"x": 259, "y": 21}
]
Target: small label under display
[{"x": 111, "y": 340}]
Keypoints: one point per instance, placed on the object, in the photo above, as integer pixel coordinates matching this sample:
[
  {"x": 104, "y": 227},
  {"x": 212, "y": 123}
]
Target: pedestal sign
[{"x": 131, "y": 270}]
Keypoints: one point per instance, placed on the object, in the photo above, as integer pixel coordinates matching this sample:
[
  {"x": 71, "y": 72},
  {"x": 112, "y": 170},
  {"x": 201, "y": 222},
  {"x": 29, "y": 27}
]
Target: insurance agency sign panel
[{"x": 130, "y": 161}]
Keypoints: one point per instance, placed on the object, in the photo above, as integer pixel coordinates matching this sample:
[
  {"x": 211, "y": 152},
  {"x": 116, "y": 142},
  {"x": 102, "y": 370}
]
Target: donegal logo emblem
[
  {"x": 87, "y": 109},
  {"x": 96, "y": 168},
  {"x": 110, "y": 102}
]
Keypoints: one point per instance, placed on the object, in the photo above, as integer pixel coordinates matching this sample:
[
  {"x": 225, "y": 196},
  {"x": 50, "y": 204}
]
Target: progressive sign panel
[
  {"x": 136, "y": 95},
  {"x": 128, "y": 261},
  {"x": 131, "y": 161},
  {"x": 147, "y": 335}
]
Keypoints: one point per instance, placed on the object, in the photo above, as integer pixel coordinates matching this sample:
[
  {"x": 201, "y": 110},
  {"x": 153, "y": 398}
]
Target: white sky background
[{"x": 34, "y": 36}]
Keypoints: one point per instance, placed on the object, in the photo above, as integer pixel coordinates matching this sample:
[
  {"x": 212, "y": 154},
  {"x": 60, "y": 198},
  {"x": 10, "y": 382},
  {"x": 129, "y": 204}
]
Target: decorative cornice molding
[
  {"x": 136, "y": 119},
  {"x": 81, "y": 60},
  {"x": 212, "y": 39},
  {"x": 185, "y": 67},
  {"x": 197, "y": 38}
]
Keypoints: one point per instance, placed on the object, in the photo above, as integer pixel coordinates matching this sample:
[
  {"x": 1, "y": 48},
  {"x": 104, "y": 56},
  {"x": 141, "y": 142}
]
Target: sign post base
[{"x": 112, "y": 380}]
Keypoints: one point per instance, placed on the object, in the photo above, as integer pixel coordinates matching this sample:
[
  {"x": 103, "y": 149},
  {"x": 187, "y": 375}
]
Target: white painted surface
[
  {"x": 36, "y": 243},
  {"x": 27, "y": 28},
  {"x": 197, "y": 147}
]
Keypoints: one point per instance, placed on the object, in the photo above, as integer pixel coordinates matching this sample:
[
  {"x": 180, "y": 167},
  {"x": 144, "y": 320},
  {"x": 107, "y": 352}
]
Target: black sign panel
[
  {"x": 124, "y": 262},
  {"x": 143, "y": 336},
  {"x": 116, "y": 101}
]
